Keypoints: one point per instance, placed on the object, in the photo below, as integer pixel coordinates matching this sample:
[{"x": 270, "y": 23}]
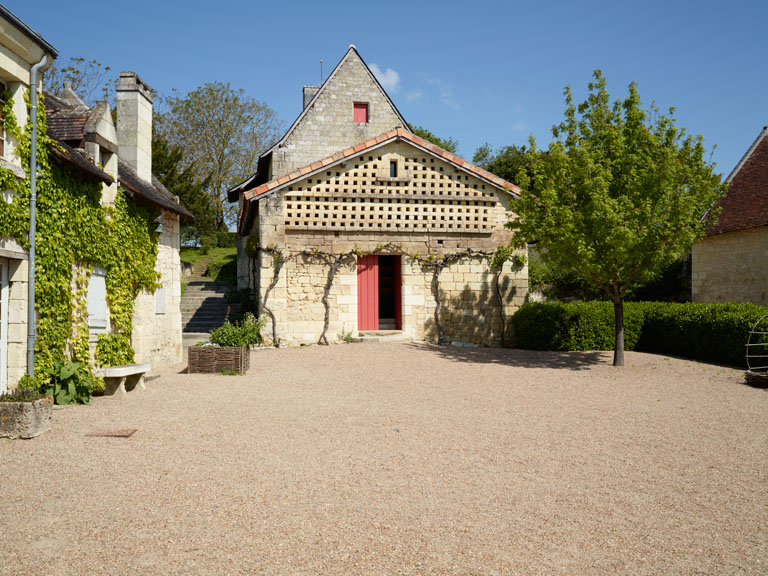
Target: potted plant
[
  {"x": 24, "y": 413},
  {"x": 228, "y": 348}
]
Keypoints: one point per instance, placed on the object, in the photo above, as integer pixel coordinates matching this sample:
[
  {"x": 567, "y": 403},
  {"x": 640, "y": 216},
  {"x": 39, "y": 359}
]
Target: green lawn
[{"x": 222, "y": 262}]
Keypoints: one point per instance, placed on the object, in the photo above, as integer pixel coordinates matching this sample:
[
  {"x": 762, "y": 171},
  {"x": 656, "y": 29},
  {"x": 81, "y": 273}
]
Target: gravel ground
[{"x": 401, "y": 459}]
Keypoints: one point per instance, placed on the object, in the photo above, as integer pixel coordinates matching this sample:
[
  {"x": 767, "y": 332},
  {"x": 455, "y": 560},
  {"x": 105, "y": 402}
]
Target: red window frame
[{"x": 360, "y": 112}]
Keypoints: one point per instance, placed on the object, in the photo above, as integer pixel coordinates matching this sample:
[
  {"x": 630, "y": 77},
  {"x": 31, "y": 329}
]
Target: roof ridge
[{"x": 350, "y": 50}]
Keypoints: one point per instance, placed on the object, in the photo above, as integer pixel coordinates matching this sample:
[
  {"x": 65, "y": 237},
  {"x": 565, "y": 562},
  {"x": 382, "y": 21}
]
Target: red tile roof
[
  {"x": 66, "y": 125},
  {"x": 745, "y": 205},
  {"x": 397, "y": 134}
]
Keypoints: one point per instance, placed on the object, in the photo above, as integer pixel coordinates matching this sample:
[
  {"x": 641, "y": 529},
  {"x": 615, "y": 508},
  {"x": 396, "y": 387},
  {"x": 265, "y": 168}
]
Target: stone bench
[{"x": 123, "y": 378}]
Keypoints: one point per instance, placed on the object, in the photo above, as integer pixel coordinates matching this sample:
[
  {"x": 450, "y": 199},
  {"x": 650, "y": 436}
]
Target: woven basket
[{"x": 215, "y": 359}]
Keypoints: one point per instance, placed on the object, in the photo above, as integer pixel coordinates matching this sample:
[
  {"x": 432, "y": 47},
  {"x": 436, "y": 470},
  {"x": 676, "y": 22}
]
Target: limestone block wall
[
  {"x": 430, "y": 208},
  {"x": 732, "y": 267},
  {"x": 156, "y": 336},
  {"x": 18, "y": 275},
  {"x": 328, "y": 125}
]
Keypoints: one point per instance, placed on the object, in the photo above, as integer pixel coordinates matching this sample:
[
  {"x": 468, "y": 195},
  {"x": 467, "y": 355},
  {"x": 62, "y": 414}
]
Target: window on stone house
[
  {"x": 160, "y": 300},
  {"x": 360, "y": 115},
  {"x": 97, "y": 300},
  {"x": 393, "y": 169}
]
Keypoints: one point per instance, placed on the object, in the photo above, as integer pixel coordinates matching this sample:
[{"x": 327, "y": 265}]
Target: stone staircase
[{"x": 203, "y": 308}]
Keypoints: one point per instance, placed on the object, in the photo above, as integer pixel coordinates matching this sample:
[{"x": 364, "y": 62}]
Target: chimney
[
  {"x": 134, "y": 124},
  {"x": 309, "y": 93}
]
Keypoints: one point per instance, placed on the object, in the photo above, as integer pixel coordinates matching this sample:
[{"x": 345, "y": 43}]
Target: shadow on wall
[
  {"x": 519, "y": 358},
  {"x": 472, "y": 316}
]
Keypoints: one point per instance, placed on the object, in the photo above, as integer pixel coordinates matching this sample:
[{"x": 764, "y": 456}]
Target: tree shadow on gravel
[{"x": 518, "y": 358}]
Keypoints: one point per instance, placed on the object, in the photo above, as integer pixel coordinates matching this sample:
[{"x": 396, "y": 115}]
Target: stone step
[{"x": 380, "y": 336}]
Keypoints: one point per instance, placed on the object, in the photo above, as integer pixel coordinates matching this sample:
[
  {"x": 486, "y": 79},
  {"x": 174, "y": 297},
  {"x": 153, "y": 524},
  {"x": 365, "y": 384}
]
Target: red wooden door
[{"x": 368, "y": 293}]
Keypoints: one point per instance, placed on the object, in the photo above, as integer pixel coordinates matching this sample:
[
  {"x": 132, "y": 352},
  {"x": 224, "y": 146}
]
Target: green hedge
[{"x": 709, "y": 332}]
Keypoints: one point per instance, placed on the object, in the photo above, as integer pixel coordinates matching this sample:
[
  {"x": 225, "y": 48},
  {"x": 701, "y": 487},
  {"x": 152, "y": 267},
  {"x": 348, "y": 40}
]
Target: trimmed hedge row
[{"x": 709, "y": 332}]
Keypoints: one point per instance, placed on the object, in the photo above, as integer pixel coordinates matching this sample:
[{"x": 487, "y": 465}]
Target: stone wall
[
  {"x": 328, "y": 126},
  {"x": 732, "y": 267},
  {"x": 18, "y": 275},
  {"x": 156, "y": 336}
]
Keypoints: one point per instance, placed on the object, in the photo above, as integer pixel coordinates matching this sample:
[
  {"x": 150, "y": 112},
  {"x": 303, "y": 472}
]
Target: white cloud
[
  {"x": 414, "y": 96},
  {"x": 389, "y": 79}
]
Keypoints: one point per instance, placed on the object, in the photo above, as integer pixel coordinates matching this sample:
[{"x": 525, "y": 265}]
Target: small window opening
[
  {"x": 393, "y": 169},
  {"x": 360, "y": 115}
]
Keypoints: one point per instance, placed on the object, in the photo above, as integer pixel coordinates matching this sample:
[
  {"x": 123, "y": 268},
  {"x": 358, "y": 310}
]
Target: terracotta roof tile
[{"x": 398, "y": 133}]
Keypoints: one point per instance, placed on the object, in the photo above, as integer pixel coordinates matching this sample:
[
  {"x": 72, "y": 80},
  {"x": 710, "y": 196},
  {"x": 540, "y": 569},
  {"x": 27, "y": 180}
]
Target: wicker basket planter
[{"x": 218, "y": 359}]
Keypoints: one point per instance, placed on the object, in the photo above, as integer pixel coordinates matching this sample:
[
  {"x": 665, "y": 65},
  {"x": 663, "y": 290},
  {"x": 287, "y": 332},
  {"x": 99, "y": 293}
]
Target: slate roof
[
  {"x": 745, "y": 205},
  {"x": 80, "y": 161},
  {"x": 155, "y": 194},
  {"x": 67, "y": 123},
  {"x": 377, "y": 141}
]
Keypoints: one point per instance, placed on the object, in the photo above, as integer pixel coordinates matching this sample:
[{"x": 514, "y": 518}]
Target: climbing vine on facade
[
  {"x": 74, "y": 233},
  {"x": 334, "y": 261}
]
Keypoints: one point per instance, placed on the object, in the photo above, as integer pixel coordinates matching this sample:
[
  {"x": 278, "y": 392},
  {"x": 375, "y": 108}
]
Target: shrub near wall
[{"x": 709, "y": 332}]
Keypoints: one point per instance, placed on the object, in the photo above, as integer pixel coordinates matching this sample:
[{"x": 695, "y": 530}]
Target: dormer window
[{"x": 360, "y": 114}]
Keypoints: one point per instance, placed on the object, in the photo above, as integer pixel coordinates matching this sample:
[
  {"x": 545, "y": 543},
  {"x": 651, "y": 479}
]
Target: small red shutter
[
  {"x": 361, "y": 113},
  {"x": 368, "y": 293}
]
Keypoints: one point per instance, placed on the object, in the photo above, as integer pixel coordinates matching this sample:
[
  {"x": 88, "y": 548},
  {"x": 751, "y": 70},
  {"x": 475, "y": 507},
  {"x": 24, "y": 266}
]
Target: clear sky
[{"x": 477, "y": 71}]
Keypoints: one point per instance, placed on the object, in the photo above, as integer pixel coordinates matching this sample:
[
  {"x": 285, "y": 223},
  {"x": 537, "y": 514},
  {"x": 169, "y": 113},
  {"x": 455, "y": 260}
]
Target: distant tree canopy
[
  {"x": 221, "y": 132},
  {"x": 450, "y": 144},
  {"x": 621, "y": 193},
  {"x": 505, "y": 162},
  {"x": 90, "y": 80},
  {"x": 181, "y": 180}
]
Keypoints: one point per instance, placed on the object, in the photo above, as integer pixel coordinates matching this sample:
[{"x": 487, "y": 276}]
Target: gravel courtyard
[{"x": 401, "y": 459}]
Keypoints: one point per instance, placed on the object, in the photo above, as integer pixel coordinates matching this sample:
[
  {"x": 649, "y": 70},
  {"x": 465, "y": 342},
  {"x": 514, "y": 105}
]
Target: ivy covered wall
[{"x": 74, "y": 233}]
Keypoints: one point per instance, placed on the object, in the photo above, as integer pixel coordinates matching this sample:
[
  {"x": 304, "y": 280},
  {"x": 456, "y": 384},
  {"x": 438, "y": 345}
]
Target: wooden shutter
[{"x": 361, "y": 113}]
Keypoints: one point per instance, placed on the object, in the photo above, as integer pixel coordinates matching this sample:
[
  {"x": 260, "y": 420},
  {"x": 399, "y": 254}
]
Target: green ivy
[
  {"x": 113, "y": 350},
  {"x": 74, "y": 233}
]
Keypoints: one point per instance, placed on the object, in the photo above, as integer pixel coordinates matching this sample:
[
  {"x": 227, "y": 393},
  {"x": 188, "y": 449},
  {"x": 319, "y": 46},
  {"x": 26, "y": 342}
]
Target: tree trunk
[{"x": 618, "y": 314}]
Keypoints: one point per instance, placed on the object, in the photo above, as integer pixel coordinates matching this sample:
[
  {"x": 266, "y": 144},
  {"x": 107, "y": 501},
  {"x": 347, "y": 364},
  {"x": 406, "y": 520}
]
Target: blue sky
[{"x": 476, "y": 71}]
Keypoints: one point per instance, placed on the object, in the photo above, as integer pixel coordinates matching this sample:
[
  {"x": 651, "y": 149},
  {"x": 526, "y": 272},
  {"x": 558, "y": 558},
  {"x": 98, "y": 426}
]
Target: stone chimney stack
[
  {"x": 134, "y": 124},
  {"x": 309, "y": 93}
]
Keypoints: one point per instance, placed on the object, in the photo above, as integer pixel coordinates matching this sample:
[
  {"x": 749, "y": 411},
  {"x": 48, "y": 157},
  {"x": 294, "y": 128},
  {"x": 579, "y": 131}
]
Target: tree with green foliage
[
  {"x": 221, "y": 132},
  {"x": 450, "y": 144},
  {"x": 89, "y": 79},
  {"x": 181, "y": 180},
  {"x": 622, "y": 193},
  {"x": 505, "y": 162}
]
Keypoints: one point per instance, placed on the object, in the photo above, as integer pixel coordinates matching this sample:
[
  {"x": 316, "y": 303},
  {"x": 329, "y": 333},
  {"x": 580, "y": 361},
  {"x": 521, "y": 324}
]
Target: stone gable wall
[
  {"x": 328, "y": 125},
  {"x": 732, "y": 267}
]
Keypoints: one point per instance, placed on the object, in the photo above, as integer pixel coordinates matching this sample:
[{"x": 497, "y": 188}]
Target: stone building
[
  {"x": 731, "y": 263},
  {"x": 20, "y": 49},
  {"x": 125, "y": 153},
  {"x": 88, "y": 142},
  {"x": 351, "y": 202}
]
